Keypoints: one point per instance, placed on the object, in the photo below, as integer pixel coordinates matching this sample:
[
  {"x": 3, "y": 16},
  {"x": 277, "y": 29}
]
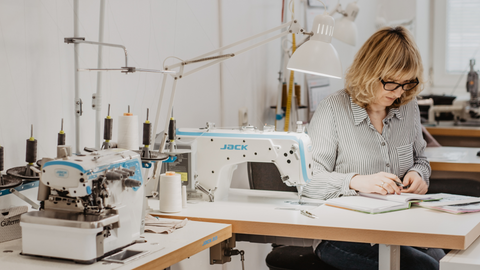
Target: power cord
[{"x": 231, "y": 252}]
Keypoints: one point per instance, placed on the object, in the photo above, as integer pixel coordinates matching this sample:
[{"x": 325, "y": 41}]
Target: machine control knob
[
  {"x": 130, "y": 172},
  {"x": 132, "y": 183},
  {"x": 124, "y": 174},
  {"x": 114, "y": 176}
]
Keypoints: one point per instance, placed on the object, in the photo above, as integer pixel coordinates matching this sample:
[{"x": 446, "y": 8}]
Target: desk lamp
[
  {"x": 316, "y": 56},
  {"x": 346, "y": 28}
]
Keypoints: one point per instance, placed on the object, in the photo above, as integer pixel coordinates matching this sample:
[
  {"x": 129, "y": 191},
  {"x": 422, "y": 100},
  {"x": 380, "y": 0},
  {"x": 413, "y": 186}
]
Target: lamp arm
[
  {"x": 338, "y": 9},
  {"x": 126, "y": 69},
  {"x": 149, "y": 70},
  {"x": 197, "y": 60},
  {"x": 157, "y": 116},
  {"x": 240, "y": 51},
  {"x": 207, "y": 65},
  {"x": 82, "y": 40},
  {"x": 237, "y": 53},
  {"x": 169, "y": 111},
  {"x": 293, "y": 27}
]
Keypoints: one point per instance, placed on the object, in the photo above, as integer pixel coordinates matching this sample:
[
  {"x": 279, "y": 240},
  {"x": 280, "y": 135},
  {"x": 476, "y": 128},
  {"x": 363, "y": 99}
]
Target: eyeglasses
[{"x": 392, "y": 86}]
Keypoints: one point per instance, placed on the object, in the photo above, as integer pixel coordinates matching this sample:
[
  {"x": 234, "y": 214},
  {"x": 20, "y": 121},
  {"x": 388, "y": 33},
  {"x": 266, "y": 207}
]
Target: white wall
[
  {"x": 37, "y": 74},
  {"x": 37, "y": 66}
]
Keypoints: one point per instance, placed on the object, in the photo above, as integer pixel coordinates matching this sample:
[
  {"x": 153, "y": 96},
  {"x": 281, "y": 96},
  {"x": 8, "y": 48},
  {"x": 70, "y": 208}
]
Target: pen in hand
[{"x": 401, "y": 185}]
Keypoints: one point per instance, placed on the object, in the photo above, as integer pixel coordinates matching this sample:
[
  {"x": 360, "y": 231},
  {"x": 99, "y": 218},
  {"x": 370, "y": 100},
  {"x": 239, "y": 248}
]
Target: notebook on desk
[
  {"x": 455, "y": 204},
  {"x": 376, "y": 203}
]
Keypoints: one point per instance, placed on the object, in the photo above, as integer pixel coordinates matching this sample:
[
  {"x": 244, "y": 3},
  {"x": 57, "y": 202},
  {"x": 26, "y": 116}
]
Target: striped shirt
[{"x": 346, "y": 143}]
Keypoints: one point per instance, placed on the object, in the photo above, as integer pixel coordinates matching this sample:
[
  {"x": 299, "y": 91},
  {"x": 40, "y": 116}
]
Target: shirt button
[
  {"x": 388, "y": 165},
  {"x": 383, "y": 143}
]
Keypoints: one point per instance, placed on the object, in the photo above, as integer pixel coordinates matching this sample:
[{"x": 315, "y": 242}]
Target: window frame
[{"x": 439, "y": 75}]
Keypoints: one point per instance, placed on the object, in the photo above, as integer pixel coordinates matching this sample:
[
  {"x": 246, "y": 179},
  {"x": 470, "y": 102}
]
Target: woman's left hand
[{"x": 416, "y": 183}]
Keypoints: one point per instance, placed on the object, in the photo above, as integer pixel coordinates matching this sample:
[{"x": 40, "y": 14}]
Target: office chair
[{"x": 265, "y": 176}]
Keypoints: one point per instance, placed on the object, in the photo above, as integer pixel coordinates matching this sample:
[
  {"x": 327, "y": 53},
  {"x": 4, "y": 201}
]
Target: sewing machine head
[
  {"x": 93, "y": 182},
  {"x": 92, "y": 205},
  {"x": 218, "y": 151}
]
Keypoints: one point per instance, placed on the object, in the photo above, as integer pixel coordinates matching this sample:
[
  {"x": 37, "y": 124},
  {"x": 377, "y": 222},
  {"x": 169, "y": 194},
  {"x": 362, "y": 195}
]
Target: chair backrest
[
  {"x": 431, "y": 142},
  {"x": 265, "y": 176}
]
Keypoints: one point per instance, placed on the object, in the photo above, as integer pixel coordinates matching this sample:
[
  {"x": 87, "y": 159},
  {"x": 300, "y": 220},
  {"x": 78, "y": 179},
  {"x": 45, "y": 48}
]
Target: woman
[{"x": 368, "y": 138}]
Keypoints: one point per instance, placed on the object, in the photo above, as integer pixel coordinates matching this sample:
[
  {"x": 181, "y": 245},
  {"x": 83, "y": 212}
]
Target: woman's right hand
[{"x": 381, "y": 183}]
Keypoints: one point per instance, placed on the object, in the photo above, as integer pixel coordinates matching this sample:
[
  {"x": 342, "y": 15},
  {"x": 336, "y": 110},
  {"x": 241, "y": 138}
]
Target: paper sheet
[
  {"x": 453, "y": 156},
  {"x": 318, "y": 89},
  {"x": 160, "y": 225}
]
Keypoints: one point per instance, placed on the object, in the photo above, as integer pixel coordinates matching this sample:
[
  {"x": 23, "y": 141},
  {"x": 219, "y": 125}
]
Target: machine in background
[
  {"x": 473, "y": 107},
  {"x": 462, "y": 112},
  {"x": 92, "y": 206},
  {"x": 207, "y": 157}
]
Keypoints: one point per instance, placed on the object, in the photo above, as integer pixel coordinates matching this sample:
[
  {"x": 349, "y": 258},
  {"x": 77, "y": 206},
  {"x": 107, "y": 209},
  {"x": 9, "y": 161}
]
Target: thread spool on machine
[
  {"x": 30, "y": 171},
  {"x": 7, "y": 181},
  {"x": 128, "y": 131}
]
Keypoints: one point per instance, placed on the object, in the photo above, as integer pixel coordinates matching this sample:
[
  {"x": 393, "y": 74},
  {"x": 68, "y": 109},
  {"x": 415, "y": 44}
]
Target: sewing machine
[
  {"x": 472, "y": 107},
  {"x": 466, "y": 112},
  {"x": 92, "y": 206},
  {"x": 216, "y": 152}
]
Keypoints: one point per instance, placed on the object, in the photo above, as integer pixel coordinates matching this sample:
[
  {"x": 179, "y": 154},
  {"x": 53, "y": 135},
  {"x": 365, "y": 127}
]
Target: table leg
[{"x": 388, "y": 257}]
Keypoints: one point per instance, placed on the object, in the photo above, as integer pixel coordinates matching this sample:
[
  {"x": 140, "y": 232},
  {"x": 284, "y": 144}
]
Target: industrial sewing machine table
[
  {"x": 454, "y": 159},
  {"x": 268, "y": 213},
  {"x": 163, "y": 250}
]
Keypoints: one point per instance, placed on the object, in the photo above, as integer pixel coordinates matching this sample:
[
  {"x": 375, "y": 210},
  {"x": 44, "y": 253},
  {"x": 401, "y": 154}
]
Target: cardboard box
[{"x": 10, "y": 223}]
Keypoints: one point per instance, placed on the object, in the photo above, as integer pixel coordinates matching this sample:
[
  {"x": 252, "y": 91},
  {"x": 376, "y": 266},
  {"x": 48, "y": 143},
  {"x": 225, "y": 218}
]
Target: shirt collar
[
  {"x": 395, "y": 112},
  {"x": 360, "y": 114}
]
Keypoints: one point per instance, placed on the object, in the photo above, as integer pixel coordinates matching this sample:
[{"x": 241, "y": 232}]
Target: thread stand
[
  {"x": 9, "y": 181},
  {"x": 26, "y": 172}
]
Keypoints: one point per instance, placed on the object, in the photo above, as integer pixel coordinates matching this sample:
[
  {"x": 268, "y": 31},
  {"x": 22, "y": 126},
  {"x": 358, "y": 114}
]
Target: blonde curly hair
[{"x": 388, "y": 54}]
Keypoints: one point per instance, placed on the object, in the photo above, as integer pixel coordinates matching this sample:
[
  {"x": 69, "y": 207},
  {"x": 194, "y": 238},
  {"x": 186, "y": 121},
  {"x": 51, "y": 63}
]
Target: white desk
[
  {"x": 456, "y": 131},
  {"x": 462, "y": 259},
  {"x": 254, "y": 212},
  {"x": 165, "y": 250},
  {"x": 454, "y": 159},
  {"x": 463, "y": 136}
]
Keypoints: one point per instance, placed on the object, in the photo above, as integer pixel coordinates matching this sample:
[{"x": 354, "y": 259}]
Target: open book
[
  {"x": 376, "y": 203},
  {"x": 456, "y": 204}
]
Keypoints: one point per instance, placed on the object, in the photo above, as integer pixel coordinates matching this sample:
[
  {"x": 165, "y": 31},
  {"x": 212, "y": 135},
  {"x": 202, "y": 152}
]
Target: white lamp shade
[
  {"x": 346, "y": 31},
  {"x": 317, "y": 58}
]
